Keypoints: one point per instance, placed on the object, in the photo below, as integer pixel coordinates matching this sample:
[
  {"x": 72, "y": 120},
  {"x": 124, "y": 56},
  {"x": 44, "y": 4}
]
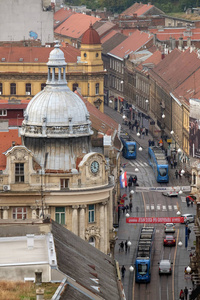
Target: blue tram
[
  {"x": 129, "y": 150},
  {"x": 144, "y": 255},
  {"x": 159, "y": 164}
]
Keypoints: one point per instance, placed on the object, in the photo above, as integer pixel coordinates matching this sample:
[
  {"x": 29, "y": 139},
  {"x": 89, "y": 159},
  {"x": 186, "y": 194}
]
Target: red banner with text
[{"x": 155, "y": 220}]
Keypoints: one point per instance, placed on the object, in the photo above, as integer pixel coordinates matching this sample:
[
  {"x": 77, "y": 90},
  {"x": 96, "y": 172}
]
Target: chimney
[
  {"x": 30, "y": 241},
  {"x": 189, "y": 41},
  {"x": 163, "y": 52},
  {"x": 40, "y": 294}
]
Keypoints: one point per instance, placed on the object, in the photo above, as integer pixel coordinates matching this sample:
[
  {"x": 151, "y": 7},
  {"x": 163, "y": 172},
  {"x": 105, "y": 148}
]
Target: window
[
  {"x": 92, "y": 241},
  {"x": 43, "y": 86},
  {"x": 60, "y": 215},
  {"x": 13, "y": 88},
  {"x": 3, "y": 112},
  {"x": 28, "y": 88},
  {"x": 97, "y": 88},
  {"x": 19, "y": 213},
  {"x": 91, "y": 213},
  {"x": 88, "y": 88},
  {"x": 85, "y": 55},
  {"x": 1, "y": 88},
  {"x": 19, "y": 172},
  {"x": 97, "y": 54},
  {"x": 75, "y": 85},
  {"x": 64, "y": 183}
]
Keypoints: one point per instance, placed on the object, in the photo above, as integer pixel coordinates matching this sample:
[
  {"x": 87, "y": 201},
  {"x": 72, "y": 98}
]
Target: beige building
[{"x": 55, "y": 171}]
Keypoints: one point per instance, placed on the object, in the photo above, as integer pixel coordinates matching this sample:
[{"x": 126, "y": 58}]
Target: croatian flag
[{"x": 123, "y": 180}]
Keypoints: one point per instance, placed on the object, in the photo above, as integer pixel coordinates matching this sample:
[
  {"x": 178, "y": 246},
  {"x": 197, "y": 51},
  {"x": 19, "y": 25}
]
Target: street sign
[
  {"x": 162, "y": 189},
  {"x": 155, "y": 220},
  {"x": 169, "y": 141}
]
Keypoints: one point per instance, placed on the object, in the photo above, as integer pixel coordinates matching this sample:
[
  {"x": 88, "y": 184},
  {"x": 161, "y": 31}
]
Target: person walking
[
  {"x": 123, "y": 270},
  {"x": 130, "y": 206},
  {"x": 121, "y": 246},
  {"x": 126, "y": 246},
  {"x": 176, "y": 174},
  {"x": 189, "y": 231},
  {"x": 186, "y": 292},
  {"x": 181, "y": 295},
  {"x": 172, "y": 163},
  {"x": 190, "y": 293}
]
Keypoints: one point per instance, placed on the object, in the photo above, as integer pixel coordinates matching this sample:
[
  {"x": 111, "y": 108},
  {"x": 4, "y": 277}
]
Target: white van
[{"x": 165, "y": 267}]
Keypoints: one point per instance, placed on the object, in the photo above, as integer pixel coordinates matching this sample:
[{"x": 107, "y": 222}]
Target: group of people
[
  {"x": 185, "y": 293},
  {"x": 132, "y": 181},
  {"x": 123, "y": 245},
  {"x": 173, "y": 163},
  {"x": 178, "y": 174}
]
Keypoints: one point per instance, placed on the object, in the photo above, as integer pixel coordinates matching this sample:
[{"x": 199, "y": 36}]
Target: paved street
[{"x": 130, "y": 231}]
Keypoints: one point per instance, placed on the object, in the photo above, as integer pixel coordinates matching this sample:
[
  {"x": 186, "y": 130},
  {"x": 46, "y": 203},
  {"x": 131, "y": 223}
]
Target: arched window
[
  {"x": 75, "y": 85},
  {"x": 13, "y": 88},
  {"x": 92, "y": 241}
]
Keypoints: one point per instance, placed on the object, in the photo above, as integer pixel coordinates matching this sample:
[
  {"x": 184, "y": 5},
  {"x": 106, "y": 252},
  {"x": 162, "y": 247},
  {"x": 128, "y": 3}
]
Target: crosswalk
[
  {"x": 138, "y": 163},
  {"x": 160, "y": 207}
]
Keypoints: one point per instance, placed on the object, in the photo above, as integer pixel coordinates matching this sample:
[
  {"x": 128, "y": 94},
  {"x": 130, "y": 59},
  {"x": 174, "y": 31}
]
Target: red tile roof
[
  {"x": 154, "y": 59},
  {"x": 108, "y": 36},
  {"x": 165, "y": 33},
  {"x": 61, "y": 15},
  {"x": 131, "y": 44},
  {"x": 6, "y": 142},
  {"x": 35, "y": 54},
  {"x": 75, "y": 25},
  {"x": 137, "y": 8}
]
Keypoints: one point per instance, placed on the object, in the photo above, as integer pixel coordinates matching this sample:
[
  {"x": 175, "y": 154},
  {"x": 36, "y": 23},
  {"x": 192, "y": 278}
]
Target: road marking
[
  {"x": 147, "y": 207},
  {"x": 164, "y": 207},
  {"x": 175, "y": 207},
  {"x": 152, "y": 207},
  {"x": 170, "y": 207},
  {"x": 158, "y": 207}
]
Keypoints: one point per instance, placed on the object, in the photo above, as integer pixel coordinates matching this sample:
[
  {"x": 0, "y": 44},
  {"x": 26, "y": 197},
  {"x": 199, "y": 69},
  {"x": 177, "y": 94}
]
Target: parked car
[
  {"x": 169, "y": 240},
  {"x": 188, "y": 218},
  {"x": 170, "y": 193},
  {"x": 169, "y": 227},
  {"x": 165, "y": 267}
]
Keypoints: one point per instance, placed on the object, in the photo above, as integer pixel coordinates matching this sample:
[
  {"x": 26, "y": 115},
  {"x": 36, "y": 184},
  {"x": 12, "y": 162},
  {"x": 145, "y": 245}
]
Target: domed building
[{"x": 55, "y": 171}]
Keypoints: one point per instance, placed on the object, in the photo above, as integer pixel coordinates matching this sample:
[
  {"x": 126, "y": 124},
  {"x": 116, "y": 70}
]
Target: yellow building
[{"x": 23, "y": 69}]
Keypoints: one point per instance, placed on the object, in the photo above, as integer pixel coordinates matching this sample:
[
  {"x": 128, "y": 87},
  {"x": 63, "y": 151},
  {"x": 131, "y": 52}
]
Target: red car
[{"x": 169, "y": 240}]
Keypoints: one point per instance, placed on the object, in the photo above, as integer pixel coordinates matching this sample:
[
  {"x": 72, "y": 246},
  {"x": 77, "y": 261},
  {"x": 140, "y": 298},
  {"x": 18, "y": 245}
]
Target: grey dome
[{"x": 56, "y": 111}]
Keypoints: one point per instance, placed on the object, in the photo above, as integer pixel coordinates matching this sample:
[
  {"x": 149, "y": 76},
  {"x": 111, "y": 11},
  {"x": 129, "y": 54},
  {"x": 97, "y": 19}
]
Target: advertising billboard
[{"x": 194, "y": 132}]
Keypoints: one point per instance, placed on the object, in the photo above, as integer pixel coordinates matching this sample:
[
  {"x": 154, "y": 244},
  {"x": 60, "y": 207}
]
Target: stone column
[
  {"x": 111, "y": 210},
  {"x": 34, "y": 216},
  {"x": 82, "y": 221},
  {"x": 5, "y": 212},
  {"x": 75, "y": 219},
  {"x": 102, "y": 227},
  {"x": 106, "y": 235}
]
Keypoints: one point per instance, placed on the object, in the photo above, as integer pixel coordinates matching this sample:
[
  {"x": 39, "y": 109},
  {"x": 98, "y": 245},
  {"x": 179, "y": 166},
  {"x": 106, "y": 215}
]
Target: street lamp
[
  {"x": 140, "y": 148},
  {"x": 179, "y": 150},
  {"x": 147, "y": 101},
  {"x": 138, "y": 134},
  {"x": 124, "y": 117},
  {"x": 131, "y": 192},
  {"x": 163, "y": 116},
  {"x": 129, "y": 243},
  {"x": 110, "y": 101},
  {"x": 188, "y": 269},
  {"x": 180, "y": 244},
  {"x": 136, "y": 169},
  {"x": 131, "y": 269},
  {"x": 182, "y": 172},
  {"x": 127, "y": 215},
  {"x": 172, "y": 132}
]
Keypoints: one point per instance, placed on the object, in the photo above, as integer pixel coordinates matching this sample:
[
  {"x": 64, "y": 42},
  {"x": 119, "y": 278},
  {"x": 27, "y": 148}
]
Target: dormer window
[
  {"x": 19, "y": 172},
  {"x": 85, "y": 55}
]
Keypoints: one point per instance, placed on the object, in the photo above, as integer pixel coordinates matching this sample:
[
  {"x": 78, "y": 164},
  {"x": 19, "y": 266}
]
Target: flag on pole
[{"x": 123, "y": 180}]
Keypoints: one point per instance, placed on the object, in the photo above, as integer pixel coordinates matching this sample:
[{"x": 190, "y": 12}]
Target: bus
[
  {"x": 129, "y": 150},
  {"x": 159, "y": 164},
  {"x": 144, "y": 255}
]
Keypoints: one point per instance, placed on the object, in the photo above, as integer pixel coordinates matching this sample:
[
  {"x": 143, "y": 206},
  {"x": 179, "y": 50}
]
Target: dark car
[{"x": 169, "y": 240}]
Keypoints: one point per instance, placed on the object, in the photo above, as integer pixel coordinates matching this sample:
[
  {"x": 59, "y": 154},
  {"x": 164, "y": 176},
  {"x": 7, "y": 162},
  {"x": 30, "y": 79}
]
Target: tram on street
[
  {"x": 159, "y": 164},
  {"x": 144, "y": 255},
  {"x": 129, "y": 150}
]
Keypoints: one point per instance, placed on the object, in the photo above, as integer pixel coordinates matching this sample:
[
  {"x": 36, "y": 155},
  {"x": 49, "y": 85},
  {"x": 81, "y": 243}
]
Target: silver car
[
  {"x": 169, "y": 227},
  {"x": 188, "y": 218},
  {"x": 165, "y": 267}
]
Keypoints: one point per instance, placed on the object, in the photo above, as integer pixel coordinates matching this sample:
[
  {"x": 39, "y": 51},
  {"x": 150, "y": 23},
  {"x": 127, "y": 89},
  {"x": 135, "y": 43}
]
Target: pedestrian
[
  {"x": 134, "y": 179},
  {"x": 147, "y": 131},
  {"x": 190, "y": 293},
  {"x": 129, "y": 124},
  {"x": 130, "y": 206},
  {"x": 133, "y": 125},
  {"x": 186, "y": 292},
  {"x": 191, "y": 202},
  {"x": 137, "y": 127},
  {"x": 123, "y": 209},
  {"x": 188, "y": 201},
  {"x": 149, "y": 141},
  {"x": 123, "y": 270},
  {"x": 121, "y": 246},
  {"x": 175, "y": 163},
  {"x": 126, "y": 246},
  {"x": 172, "y": 163},
  {"x": 176, "y": 174},
  {"x": 181, "y": 295},
  {"x": 143, "y": 132},
  {"x": 127, "y": 207},
  {"x": 189, "y": 231}
]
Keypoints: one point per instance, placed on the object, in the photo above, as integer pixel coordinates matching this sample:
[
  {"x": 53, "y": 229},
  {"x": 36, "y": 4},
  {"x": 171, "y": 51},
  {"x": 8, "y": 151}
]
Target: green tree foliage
[{"x": 117, "y": 6}]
